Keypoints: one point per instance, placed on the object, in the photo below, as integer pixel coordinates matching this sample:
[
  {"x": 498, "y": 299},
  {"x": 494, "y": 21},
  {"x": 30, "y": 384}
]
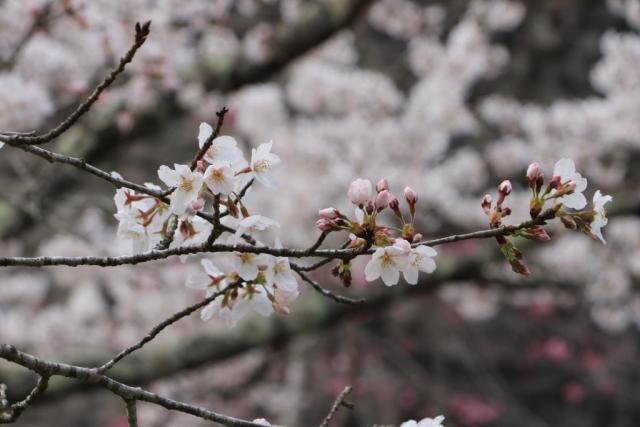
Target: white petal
[
  {"x": 168, "y": 176},
  {"x": 411, "y": 275},
  {"x": 372, "y": 270},
  {"x": 203, "y": 133},
  {"x": 390, "y": 276},
  {"x": 575, "y": 201},
  {"x": 565, "y": 168}
]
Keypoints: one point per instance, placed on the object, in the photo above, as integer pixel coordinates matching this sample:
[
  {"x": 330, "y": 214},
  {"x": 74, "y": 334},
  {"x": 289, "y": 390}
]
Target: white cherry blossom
[
  {"x": 565, "y": 168},
  {"x": 220, "y": 177},
  {"x": 210, "y": 279},
  {"x": 247, "y": 264},
  {"x": 223, "y": 148},
  {"x": 129, "y": 229},
  {"x": 186, "y": 182},
  {"x": 262, "y": 163},
  {"x": 216, "y": 310},
  {"x": 279, "y": 273},
  {"x": 257, "y": 226},
  {"x": 250, "y": 299},
  {"x": 600, "y": 215},
  {"x": 387, "y": 262},
  {"x": 420, "y": 259}
]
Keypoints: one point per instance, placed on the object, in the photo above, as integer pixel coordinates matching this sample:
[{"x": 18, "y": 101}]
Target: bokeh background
[{"x": 449, "y": 97}]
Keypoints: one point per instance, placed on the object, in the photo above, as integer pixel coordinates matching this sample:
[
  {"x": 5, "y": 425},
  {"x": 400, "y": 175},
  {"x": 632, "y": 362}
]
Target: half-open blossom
[
  {"x": 223, "y": 148},
  {"x": 383, "y": 199},
  {"x": 566, "y": 169},
  {"x": 262, "y": 163},
  {"x": 187, "y": 185},
  {"x": 257, "y": 226},
  {"x": 382, "y": 185},
  {"x": 420, "y": 259},
  {"x": 220, "y": 178},
  {"x": 600, "y": 215},
  {"x": 360, "y": 191},
  {"x": 425, "y": 422},
  {"x": 329, "y": 213},
  {"x": 387, "y": 262},
  {"x": 410, "y": 195}
]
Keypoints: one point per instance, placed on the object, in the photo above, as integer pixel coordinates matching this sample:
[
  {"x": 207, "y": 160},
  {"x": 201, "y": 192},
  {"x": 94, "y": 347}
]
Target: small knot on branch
[{"x": 220, "y": 114}]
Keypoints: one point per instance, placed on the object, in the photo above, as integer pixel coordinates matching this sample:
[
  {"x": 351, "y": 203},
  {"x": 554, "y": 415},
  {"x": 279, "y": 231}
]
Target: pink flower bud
[
  {"x": 506, "y": 211},
  {"x": 329, "y": 213},
  {"x": 533, "y": 172},
  {"x": 360, "y": 191},
  {"x": 537, "y": 233},
  {"x": 410, "y": 195},
  {"x": 382, "y": 185},
  {"x": 504, "y": 189},
  {"x": 200, "y": 166},
  {"x": 324, "y": 224},
  {"x": 570, "y": 187},
  {"x": 197, "y": 205},
  {"x": 487, "y": 200},
  {"x": 555, "y": 182},
  {"x": 383, "y": 199}
]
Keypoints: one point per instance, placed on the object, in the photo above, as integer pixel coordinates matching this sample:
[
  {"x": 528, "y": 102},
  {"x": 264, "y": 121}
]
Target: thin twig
[
  {"x": 207, "y": 144},
  {"x": 19, "y": 407},
  {"x": 159, "y": 328},
  {"x": 325, "y": 292},
  {"x": 141, "y": 33},
  {"x": 340, "y": 401}
]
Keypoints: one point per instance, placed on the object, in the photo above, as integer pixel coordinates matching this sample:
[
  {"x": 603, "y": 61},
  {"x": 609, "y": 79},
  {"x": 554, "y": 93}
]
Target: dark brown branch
[
  {"x": 142, "y": 31},
  {"x": 244, "y": 248},
  {"x": 340, "y": 401},
  {"x": 47, "y": 368}
]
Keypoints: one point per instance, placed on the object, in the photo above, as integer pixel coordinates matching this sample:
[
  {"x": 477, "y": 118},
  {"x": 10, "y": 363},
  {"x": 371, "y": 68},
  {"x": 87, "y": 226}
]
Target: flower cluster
[
  {"x": 249, "y": 283},
  {"x": 564, "y": 193},
  {"x": 393, "y": 255},
  {"x": 222, "y": 172}
]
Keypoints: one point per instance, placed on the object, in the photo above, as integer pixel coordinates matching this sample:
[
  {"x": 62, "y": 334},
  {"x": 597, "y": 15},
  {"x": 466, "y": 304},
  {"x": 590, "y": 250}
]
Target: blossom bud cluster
[{"x": 393, "y": 255}]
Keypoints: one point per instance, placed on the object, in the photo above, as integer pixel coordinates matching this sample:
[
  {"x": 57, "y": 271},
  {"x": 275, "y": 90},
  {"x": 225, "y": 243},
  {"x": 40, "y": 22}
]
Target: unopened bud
[
  {"x": 232, "y": 208},
  {"x": 410, "y": 195},
  {"x": 554, "y": 184},
  {"x": 506, "y": 211},
  {"x": 568, "y": 222},
  {"x": 383, "y": 199},
  {"x": 382, "y": 185},
  {"x": 504, "y": 189},
  {"x": 324, "y": 224},
  {"x": 519, "y": 267},
  {"x": 487, "y": 200},
  {"x": 535, "y": 177},
  {"x": 329, "y": 213},
  {"x": 417, "y": 238},
  {"x": 537, "y": 233},
  {"x": 200, "y": 166},
  {"x": 395, "y": 207}
]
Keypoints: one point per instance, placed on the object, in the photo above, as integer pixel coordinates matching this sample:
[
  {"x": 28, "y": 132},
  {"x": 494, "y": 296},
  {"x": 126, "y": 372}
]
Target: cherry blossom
[
  {"x": 247, "y": 264},
  {"x": 220, "y": 178},
  {"x": 210, "y": 279},
  {"x": 218, "y": 310},
  {"x": 252, "y": 298},
  {"x": 131, "y": 230},
  {"x": 420, "y": 259},
  {"x": 425, "y": 422},
  {"x": 387, "y": 262},
  {"x": 187, "y": 185},
  {"x": 279, "y": 273},
  {"x": 223, "y": 148},
  {"x": 257, "y": 226},
  {"x": 565, "y": 168},
  {"x": 262, "y": 163},
  {"x": 600, "y": 215}
]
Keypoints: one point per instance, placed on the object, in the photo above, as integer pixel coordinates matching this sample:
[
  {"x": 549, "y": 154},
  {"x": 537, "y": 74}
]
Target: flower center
[
  {"x": 261, "y": 165},
  {"x": 387, "y": 260},
  {"x": 217, "y": 176},
  {"x": 185, "y": 184}
]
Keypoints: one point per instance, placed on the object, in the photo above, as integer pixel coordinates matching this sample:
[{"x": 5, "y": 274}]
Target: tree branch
[
  {"x": 340, "y": 401},
  {"x": 244, "y": 248},
  {"x": 142, "y": 31},
  {"x": 47, "y": 368}
]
